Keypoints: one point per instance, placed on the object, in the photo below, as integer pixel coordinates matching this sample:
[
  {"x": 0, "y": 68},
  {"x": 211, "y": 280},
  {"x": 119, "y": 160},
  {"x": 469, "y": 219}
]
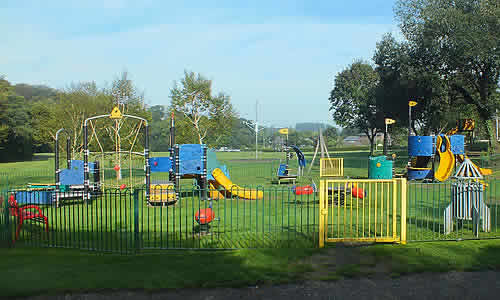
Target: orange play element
[
  {"x": 117, "y": 168},
  {"x": 204, "y": 216},
  {"x": 358, "y": 193},
  {"x": 123, "y": 186},
  {"x": 304, "y": 190}
]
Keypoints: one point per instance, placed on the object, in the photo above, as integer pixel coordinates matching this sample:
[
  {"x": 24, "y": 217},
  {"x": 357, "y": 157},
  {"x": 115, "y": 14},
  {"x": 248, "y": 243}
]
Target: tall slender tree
[
  {"x": 210, "y": 117},
  {"x": 353, "y": 100}
]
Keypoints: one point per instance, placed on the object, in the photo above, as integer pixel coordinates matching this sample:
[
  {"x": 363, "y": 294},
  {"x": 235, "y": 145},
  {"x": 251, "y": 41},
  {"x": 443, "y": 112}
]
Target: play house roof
[{"x": 468, "y": 170}]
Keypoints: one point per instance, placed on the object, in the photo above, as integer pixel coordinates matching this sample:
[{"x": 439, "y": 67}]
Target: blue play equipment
[
  {"x": 283, "y": 173},
  {"x": 34, "y": 197},
  {"x": 422, "y": 150},
  {"x": 421, "y": 145},
  {"x": 189, "y": 161},
  {"x": 69, "y": 181},
  {"x": 300, "y": 156},
  {"x": 282, "y": 170},
  {"x": 161, "y": 164},
  {"x": 457, "y": 144},
  {"x": 185, "y": 161},
  {"x": 74, "y": 174}
]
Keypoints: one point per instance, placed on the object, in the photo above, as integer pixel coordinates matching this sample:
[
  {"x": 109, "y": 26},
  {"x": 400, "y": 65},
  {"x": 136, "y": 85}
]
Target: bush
[{"x": 479, "y": 147}]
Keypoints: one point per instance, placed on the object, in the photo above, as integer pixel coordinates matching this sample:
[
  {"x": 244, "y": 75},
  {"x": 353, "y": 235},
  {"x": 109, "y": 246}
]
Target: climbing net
[{"x": 119, "y": 145}]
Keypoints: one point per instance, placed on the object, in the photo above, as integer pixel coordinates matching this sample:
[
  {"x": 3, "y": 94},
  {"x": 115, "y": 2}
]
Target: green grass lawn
[
  {"x": 29, "y": 272},
  {"x": 278, "y": 219},
  {"x": 281, "y": 220}
]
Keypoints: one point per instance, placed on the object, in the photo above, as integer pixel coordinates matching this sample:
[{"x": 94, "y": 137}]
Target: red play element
[
  {"x": 204, "y": 216},
  {"x": 304, "y": 190},
  {"x": 23, "y": 213},
  {"x": 155, "y": 163},
  {"x": 117, "y": 168},
  {"x": 123, "y": 186},
  {"x": 358, "y": 193}
]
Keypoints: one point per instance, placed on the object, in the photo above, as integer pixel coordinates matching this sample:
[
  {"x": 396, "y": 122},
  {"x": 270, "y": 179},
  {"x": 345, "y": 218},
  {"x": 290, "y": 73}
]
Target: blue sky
[{"x": 284, "y": 54}]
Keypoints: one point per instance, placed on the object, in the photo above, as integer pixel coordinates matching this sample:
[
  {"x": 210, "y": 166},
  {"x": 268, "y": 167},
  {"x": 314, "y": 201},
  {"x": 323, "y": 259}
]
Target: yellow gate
[
  {"x": 331, "y": 167},
  {"x": 364, "y": 210}
]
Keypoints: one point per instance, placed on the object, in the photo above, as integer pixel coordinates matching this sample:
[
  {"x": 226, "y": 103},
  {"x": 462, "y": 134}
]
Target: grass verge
[{"x": 28, "y": 272}]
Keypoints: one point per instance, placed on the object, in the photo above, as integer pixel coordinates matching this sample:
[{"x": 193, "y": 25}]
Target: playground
[
  {"x": 280, "y": 219},
  {"x": 115, "y": 195}
]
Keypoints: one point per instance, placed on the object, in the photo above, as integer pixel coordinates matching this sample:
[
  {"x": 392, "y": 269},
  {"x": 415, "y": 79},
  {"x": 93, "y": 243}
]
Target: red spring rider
[{"x": 204, "y": 217}]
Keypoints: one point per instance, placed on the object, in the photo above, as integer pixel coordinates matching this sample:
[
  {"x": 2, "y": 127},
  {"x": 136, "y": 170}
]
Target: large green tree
[
  {"x": 207, "y": 117},
  {"x": 405, "y": 76},
  {"x": 15, "y": 125},
  {"x": 460, "y": 40},
  {"x": 353, "y": 100}
]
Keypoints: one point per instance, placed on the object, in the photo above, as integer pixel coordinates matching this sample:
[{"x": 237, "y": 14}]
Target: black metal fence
[
  {"x": 431, "y": 215},
  {"x": 123, "y": 221}
]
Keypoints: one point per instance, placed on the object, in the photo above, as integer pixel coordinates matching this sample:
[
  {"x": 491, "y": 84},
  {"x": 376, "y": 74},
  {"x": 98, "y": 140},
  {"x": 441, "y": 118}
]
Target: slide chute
[{"x": 231, "y": 188}]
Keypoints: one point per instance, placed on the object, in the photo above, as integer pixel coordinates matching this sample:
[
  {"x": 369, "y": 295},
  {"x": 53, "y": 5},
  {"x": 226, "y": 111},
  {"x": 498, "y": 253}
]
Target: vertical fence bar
[
  {"x": 322, "y": 212},
  {"x": 136, "y": 220},
  {"x": 394, "y": 207},
  {"x": 403, "y": 210}
]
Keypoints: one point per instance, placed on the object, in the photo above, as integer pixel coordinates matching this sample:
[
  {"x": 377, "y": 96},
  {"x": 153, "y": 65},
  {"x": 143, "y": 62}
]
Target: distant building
[{"x": 362, "y": 139}]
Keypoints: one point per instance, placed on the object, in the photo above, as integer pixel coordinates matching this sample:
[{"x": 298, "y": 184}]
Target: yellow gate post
[
  {"x": 322, "y": 212},
  {"x": 403, "y": 210}
]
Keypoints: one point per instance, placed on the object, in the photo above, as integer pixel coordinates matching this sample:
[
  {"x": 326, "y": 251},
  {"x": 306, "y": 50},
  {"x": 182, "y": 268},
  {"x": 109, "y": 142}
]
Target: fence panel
[
  {"x": 427, "y": 217},
  {"x": 104, "y": 223},
  {"x": 279, "y": 219},
  {"x": 362, "y": 210},
  {"x": 350, "y": 210},
  {"x": 331, "y": 167},
  {"x": 123, "y": 221}
]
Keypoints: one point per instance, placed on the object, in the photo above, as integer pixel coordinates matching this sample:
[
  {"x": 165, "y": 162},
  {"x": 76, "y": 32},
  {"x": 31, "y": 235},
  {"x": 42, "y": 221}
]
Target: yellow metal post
[
  {"x": 394, "y": 208},
  {"x": 322, "y": 213},
  {"x": 403, "y": 210}
]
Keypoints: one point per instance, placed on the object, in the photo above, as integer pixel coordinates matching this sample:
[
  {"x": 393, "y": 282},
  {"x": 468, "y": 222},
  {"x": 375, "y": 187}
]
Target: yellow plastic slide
[
  {"x": 483, "y": 171},
  {"x": 446, "y": 159},
  {"x": 214, "y": 193},
  {"x": 228, "y": 185}
]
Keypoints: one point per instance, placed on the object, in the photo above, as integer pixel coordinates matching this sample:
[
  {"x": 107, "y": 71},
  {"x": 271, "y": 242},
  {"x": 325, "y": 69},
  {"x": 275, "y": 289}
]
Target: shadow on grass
[
  {"x": 52, "y": 271},
  {"x": 438, "y": 256},
  {"x": 125, "y": 240}
]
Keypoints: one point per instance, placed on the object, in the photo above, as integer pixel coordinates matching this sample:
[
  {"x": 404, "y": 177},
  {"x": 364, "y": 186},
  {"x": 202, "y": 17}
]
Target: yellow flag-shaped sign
[
  {"x": 115, "y": 114},
  {"x": 412, "y": 103},
  {"x": 283, "y": 131},
  {"x": 389, "y": 121}
]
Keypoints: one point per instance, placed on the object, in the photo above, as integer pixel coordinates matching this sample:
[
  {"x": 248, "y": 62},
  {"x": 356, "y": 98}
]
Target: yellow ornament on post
[{"x": 283, "y": 131}]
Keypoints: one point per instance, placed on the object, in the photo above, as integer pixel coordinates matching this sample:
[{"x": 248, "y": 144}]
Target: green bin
[{"x": 380, "y": 168}]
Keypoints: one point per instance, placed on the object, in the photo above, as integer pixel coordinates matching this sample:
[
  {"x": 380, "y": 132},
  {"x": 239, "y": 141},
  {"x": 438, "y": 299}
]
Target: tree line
[
  {"x": 30, "y": 116},
  {"x": 448, "y": 62}
]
